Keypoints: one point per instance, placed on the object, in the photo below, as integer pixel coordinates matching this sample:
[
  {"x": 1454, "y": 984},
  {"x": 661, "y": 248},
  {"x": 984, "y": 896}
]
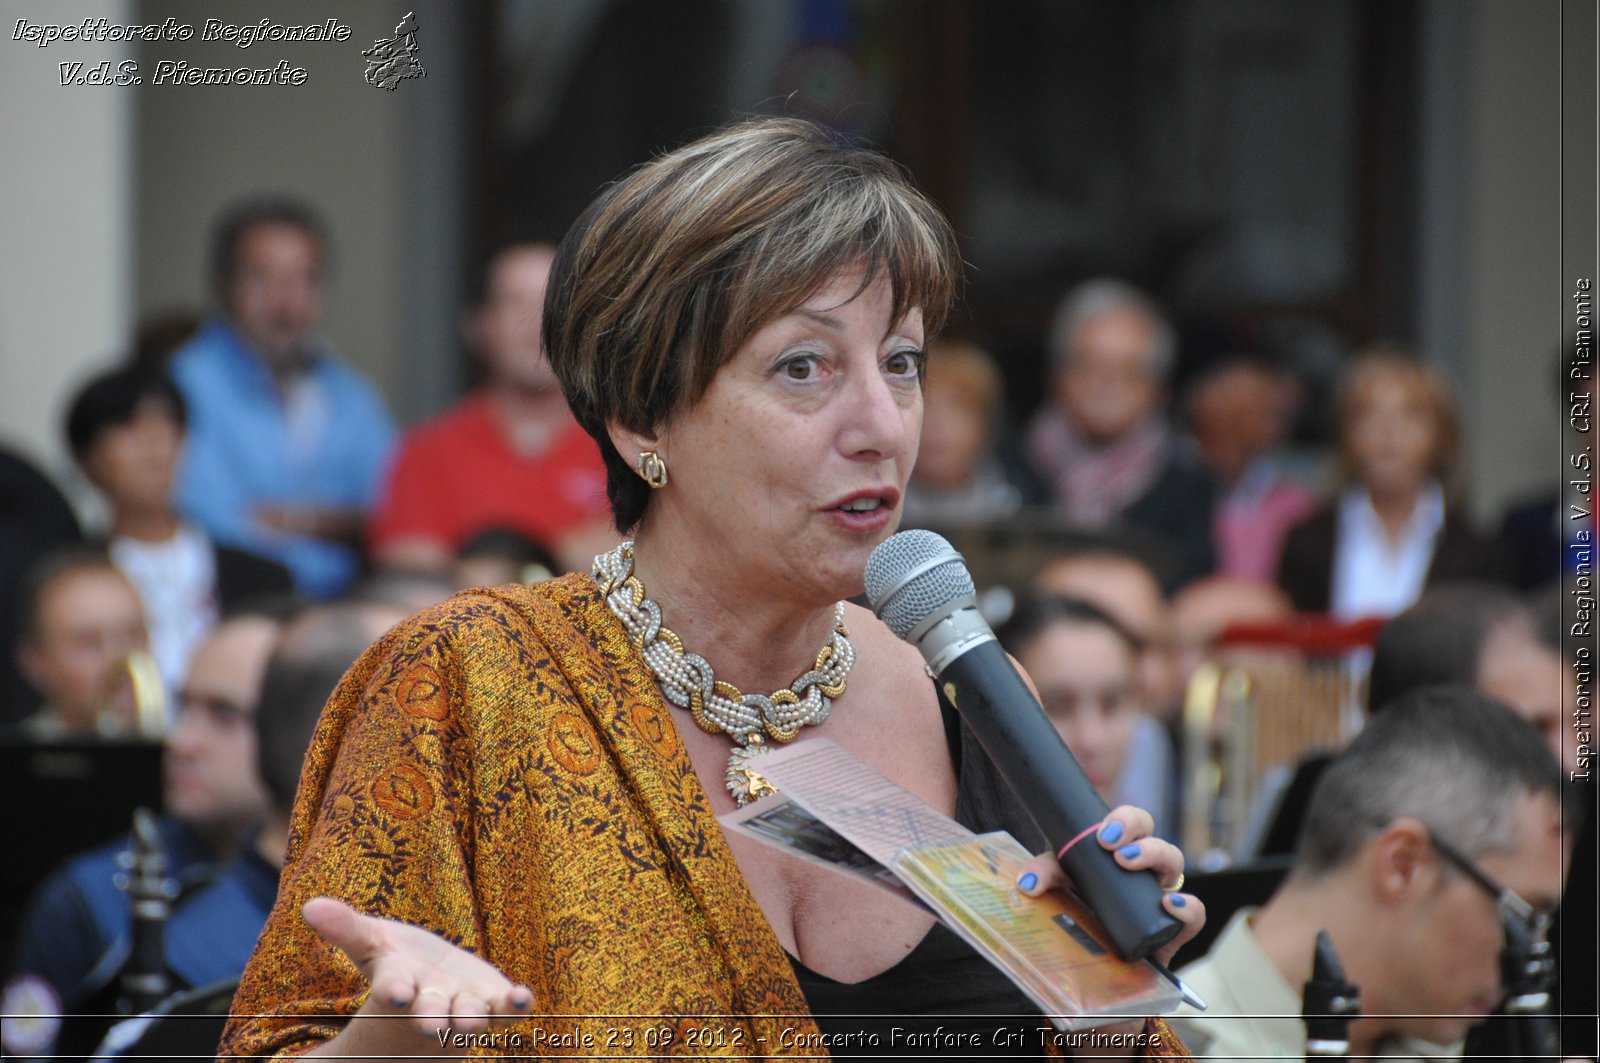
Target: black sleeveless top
[{"x": 942, "y": 998}]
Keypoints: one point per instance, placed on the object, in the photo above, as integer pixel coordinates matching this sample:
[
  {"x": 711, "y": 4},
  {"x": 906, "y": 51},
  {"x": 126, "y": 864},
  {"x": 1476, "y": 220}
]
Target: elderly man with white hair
[{"x": 1102, "y": 443}]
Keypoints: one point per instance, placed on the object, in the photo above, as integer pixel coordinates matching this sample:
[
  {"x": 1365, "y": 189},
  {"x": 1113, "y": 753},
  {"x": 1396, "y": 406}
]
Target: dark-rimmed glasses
[
  {"x": 1526, "y": 964},
  {"x": 1510, "y": 904}
]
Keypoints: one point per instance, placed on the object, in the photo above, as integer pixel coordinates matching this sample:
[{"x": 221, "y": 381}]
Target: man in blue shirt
[{"x": 287, "y": 445}]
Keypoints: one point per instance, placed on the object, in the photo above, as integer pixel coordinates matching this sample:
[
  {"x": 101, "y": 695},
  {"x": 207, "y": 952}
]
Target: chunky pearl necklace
[{"x": 687, "y": 681}]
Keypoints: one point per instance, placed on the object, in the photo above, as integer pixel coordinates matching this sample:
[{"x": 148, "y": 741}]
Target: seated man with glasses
[
  {"x": 77, "y": 936},
  {"x": 1433, "y": 842}
]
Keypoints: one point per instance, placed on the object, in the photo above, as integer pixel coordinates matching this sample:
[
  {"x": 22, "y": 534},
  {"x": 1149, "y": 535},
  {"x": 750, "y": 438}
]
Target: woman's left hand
[{"x": 1127, "y": 831}]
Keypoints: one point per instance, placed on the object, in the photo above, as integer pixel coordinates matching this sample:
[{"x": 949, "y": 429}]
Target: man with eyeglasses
[
  {"x": 1435, "y": 832},
  {"x": 217, "y": 927},
  {"x": 76, "y": 936}
]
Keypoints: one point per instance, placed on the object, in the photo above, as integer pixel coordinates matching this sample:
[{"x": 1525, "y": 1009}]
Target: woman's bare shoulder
[
  {"x": 879, "y": 649},
  {"x": 893, "y": 677},
  {"x": 895, "y": 723}
]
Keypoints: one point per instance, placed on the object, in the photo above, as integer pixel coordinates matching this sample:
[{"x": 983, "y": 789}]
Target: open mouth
[{"x": 869, "y": 511}]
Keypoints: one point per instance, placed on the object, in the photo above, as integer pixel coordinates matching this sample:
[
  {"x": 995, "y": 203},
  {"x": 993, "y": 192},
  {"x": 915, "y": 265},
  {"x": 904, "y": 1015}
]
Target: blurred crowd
[{"x": 263, "y": 520}]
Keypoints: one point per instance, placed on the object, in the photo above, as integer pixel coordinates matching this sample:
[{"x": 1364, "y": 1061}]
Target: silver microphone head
[{"x": 915, "y": 577}]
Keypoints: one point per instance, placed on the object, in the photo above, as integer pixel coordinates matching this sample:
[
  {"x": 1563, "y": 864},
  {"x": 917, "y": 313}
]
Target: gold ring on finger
[
  {"x": 1175, "y": 887},
  {"x": 436, "y": 991}
]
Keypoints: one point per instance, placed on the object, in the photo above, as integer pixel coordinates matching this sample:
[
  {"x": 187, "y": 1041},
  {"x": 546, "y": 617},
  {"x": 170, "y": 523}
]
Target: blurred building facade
[{"x": 1308, "y": 177}]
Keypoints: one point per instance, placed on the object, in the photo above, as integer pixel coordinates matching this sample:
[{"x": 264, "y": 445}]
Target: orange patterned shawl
[{"x": 502, "y": 769}]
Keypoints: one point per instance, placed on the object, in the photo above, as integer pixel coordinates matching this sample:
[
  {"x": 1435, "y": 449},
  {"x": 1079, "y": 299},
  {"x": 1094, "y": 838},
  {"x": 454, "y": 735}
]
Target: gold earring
[{"x": 652, "y": 469}]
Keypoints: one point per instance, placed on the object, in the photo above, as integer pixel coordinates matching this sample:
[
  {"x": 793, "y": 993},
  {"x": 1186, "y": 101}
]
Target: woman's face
[
  {"x": 953, "y": 436},
  {"x": 1391, "y": 437},
  {"x": 1085, "y": 676},
  {"x": 791, "y": 467}
]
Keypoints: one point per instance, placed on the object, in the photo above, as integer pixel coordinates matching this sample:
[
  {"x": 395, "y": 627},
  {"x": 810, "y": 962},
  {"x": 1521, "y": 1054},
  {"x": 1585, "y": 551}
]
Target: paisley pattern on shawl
[{"x": 502, "y": 770}]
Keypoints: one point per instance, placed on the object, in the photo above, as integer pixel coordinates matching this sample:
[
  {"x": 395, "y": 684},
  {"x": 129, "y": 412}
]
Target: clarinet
[
  {"x": 1329, "y": 1004},
  {"x": 144, "y": 980},
  {"x": 1528, "y": 969}
]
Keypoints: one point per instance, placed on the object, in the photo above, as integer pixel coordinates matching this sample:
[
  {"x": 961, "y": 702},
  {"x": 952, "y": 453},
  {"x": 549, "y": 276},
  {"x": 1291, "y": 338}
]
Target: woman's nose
[{"x": 877, "y": 425}]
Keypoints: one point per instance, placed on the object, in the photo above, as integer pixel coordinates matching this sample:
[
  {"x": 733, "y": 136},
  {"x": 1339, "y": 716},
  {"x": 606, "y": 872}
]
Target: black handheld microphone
[{"x": 920, "y": 587}]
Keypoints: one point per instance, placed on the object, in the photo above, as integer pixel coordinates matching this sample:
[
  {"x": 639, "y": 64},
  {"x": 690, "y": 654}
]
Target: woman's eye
[
  {"x": 905, "y": 363},
  {"x": 801, "y": 368}
]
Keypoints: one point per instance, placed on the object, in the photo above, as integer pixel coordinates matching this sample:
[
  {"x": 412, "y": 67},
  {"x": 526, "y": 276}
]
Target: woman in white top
[{"x": 1393, "y": 528}]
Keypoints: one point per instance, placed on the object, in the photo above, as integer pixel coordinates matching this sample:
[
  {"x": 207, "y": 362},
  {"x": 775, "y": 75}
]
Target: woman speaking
[{"x": 506, "y": 839}]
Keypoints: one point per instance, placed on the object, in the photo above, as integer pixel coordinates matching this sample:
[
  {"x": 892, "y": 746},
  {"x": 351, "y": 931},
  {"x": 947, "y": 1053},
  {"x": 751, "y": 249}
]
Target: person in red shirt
[{"x": 507, "y": 456}]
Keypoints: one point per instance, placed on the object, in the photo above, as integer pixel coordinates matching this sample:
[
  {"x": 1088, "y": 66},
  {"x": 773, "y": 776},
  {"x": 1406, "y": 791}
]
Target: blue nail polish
[
  {"x": 1027, "y": 882},
  {"x": 1128, "y": 852},
  {"x": 1111, "y": 833},
  {"x": 398, "y": 1002},
  {"x": 1178, "y": 900}
]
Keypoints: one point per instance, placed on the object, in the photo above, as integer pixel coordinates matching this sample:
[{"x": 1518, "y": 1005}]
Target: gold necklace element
[{"x": 717, "y": 707}]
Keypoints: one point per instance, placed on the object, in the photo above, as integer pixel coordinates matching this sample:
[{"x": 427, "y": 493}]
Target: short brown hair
[
  {"x": 675, "y": 266},
  {"x": 1386, "y": 362}
]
